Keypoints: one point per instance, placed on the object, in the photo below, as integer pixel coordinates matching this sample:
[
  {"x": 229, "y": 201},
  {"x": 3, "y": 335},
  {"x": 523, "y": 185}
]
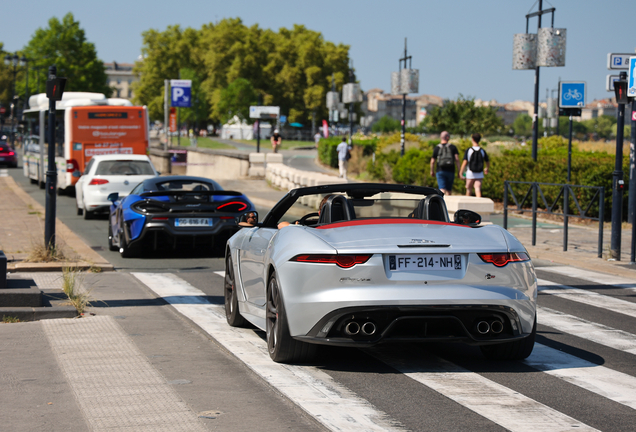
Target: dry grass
[
  {"x": 9, "y": 319},
  {"x": 39, "y": 253},
  {"x": 72, "y": 280}
]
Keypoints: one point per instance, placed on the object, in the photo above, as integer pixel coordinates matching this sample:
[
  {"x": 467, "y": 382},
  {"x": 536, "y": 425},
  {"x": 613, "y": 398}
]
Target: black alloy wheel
[
  {"x": 232, "y": 314},
  {"x": 281, "y": 346}
]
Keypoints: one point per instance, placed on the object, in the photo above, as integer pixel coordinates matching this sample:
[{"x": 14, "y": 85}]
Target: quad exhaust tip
[
  {"x": 352, "y": 328},
  {"x": 496, "y": 326},
  {"x": 483, "y": 327},
  {"x": 368, "y": 328}
]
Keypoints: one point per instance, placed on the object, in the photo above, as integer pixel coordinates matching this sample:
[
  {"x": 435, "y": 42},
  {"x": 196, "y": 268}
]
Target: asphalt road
[{"x": 581, "y": 376}]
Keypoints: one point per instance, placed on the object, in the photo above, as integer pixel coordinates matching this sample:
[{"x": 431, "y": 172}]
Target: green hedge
[
  {"x": 588, "y": 168},
  {"x": 329, "y": 156}
]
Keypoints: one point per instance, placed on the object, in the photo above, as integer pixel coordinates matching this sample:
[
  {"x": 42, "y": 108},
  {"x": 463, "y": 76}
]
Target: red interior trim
[{"x": 357, "y": 222}]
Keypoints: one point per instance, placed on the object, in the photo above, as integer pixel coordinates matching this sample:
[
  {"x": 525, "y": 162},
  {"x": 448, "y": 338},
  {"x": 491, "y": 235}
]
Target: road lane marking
[
  {"x": 115, "y": 385},
  {"x": 611, "y": 384},
  {"x": 491, "y": 400},
  {"x": 596, "y": 277},
  {"x": 336, "y": 407},
  {"x": 587, "y": 297},
  {"x": 598, "y": 333}
]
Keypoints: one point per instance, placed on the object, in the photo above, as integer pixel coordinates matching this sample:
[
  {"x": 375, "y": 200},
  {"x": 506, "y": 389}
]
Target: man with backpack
[
  {"x": 447, "y": 157},
  {"x": 477, "y": 164}
]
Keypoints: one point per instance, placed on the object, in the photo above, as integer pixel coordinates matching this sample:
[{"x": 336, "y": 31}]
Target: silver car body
[{"x": 317, "y": 297}]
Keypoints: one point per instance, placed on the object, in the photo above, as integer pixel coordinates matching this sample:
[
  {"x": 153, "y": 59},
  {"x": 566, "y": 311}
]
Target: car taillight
[
  {"x": 71, "y": 165},
  {"x": 233, "y": 206},
  {"x": 344, "y": 261},
  {"x": 98, "y": 181},
  {"x": 11, "y": 153},
  {"x": 501, "y": 259},
  {"x": 159, "y": 218}
]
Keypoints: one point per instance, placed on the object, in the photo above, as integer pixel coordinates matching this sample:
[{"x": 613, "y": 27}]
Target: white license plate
[
  {"x": 425, "y": 262},
  {"x": 193, "y": 222}
]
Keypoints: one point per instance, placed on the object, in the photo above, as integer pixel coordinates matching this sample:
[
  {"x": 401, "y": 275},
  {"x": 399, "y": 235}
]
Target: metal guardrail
[{"x": 565, "y": 194}]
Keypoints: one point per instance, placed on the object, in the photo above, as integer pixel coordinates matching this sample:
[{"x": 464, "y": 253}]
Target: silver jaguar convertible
[{"x": 376, "y": 263}]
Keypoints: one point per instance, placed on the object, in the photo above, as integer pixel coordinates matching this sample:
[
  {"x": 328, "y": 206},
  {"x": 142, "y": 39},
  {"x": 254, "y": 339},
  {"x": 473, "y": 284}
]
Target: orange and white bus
[{"x": 87, "y": 124}]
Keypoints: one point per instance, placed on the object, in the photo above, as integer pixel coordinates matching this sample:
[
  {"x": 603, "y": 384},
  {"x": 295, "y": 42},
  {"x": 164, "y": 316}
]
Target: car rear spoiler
[{"x": 190, "y": 192}]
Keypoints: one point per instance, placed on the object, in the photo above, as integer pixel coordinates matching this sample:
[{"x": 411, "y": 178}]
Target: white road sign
[
  {"x": 631, "y": 78},
  {"x": 617, "y": 61},
  {"x": 264, "y": 112},
  {"x": 609, "y": 82}
]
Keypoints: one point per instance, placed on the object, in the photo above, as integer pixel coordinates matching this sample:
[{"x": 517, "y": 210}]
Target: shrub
[{"x": 329, "y": 156}]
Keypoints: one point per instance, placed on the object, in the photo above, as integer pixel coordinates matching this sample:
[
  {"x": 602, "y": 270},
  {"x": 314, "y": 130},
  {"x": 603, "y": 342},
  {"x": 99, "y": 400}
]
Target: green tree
[
  {"x": 64, "y": 44},
  {"x": 291, "y": 68},
  {"x": 522, "y": 125},
  {"x": 462, "y": 117},
  {"x": 236, "y": 100},
  {"x": 386, "y": 124},
  {"x": 602, "y": 127},
  {"x": 164, "y": 56},
  {"x": 6, "y": 81}
]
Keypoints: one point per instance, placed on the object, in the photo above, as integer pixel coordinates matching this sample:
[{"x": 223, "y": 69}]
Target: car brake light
[
  {"x": 159, "y": 218},
  {"x": 501, "y": 259},
  {"x": 98, "y": 181},
  {"x": 344, "y": 261},
  {"x": 240, "y": 206},
  {"x": 71, "y": 165},
  {"x": 11, "y": 153}
]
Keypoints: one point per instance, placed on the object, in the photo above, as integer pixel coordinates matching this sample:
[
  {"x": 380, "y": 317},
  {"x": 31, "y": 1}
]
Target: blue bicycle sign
[{"x": 571, "y": 94}]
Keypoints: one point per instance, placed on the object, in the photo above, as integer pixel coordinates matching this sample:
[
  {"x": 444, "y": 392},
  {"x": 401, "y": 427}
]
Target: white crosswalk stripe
[
  {"x": 594, "y": 332},
  {"x": 493, "y": 401},
  {"x": 314, "y": 391},
  {"x": 599, "y": 278},
  {"x": 4, "y": 172},
  {"x": 587, "y": 297}
]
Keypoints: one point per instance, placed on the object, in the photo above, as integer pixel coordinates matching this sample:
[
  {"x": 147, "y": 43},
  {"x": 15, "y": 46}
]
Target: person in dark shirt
[
  {"x": 447, "y": 157},
  {"x": 276, "y": 140}
]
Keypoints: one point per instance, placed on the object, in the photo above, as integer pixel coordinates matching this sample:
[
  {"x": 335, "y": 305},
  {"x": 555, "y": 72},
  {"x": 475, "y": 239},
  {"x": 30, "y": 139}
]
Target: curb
[
  {"x": 56, "y": 267},
  {"x": 39, "y": 313}
]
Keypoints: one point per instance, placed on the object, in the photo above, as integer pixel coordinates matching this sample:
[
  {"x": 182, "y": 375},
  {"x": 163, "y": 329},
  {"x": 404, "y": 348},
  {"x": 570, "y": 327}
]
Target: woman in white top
[{"x": 476, "y": 164}]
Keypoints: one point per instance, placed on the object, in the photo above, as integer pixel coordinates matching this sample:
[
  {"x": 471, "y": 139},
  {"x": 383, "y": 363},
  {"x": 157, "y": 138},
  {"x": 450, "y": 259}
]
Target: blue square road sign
[
  {"x": 631, "y": 80},
  {"x": 571, "y": 94},
  {"x": 181, "y": 93}
]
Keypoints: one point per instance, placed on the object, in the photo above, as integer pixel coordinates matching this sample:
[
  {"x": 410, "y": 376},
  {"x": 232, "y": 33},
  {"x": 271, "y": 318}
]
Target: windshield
[
  {"x": 124, "y": 167},
  {"x": 185, "y": 185}
]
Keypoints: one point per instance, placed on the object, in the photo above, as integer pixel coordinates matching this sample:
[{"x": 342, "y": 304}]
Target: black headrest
[{"x": 336, "y": 208}]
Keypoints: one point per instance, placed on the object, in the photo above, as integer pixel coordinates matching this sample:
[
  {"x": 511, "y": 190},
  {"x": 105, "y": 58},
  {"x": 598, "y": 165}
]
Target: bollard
[{"x": 3, "y": 270}]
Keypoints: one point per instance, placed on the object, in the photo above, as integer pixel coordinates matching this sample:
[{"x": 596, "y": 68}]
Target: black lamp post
[{"x": 14, "y": 60}]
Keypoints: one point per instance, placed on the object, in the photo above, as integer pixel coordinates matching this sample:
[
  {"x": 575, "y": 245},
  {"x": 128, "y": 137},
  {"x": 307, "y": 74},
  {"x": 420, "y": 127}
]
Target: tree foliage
[
  {"x": 291, "y": 68},
  {"x": 386, "y": 124},
  {"x": 462, "y": 117},
  {"x": 64, "y": 44}
]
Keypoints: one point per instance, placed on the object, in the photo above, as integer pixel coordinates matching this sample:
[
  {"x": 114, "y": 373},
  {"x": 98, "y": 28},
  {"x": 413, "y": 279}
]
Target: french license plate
[
  {"x": 425, "y": 262},
  {"x": 193, "y": 222}
]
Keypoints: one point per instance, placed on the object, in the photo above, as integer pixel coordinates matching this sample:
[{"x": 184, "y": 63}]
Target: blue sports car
[{"x": 171, "y": 211}]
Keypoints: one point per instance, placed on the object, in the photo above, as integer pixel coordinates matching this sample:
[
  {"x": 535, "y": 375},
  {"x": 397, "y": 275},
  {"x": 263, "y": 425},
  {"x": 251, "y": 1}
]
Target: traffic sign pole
[
  {"x": 631, "y": 206},
  {"x": 618, "y": 183}
]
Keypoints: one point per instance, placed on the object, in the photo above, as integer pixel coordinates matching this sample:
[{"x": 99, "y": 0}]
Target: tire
[
  {"x": 124, "y": 250},
  {"x": 33, "y": 181},
  {"x": 232, "y": 313},
  {"x": 516, "y": 350},
  {"x": 79, "y": 211},
  {"x": 111, "y": 246},
  {"x": 87, "y": 214},
  {"x": 42, "y": 185},
  {"x": 281, "y": 346}
]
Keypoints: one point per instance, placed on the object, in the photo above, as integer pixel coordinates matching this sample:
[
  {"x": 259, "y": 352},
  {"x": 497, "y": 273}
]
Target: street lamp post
[
  {"x": 406, "y": 80},
  {"x": 14, "y": 60}
]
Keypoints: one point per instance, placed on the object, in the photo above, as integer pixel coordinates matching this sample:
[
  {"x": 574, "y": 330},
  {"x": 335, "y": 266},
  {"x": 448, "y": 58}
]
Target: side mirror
[
  {"x": 113, "y": 197},
  {"x": 467, "y": 217},
  {"x": 248, "y": 219}
]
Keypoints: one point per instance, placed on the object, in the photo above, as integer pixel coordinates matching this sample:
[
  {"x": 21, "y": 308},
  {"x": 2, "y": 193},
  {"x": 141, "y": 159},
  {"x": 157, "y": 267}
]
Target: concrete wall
[
  {"x": 161, "y": 160},
  {"x": 217, "y": 164}
]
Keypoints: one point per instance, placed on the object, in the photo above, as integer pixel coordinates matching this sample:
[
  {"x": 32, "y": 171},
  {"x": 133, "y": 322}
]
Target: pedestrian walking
[
  {"x": 317, "y": 138},
  {"x": 446, "y": 156},
  {"x": 276, "y": 140},
  {"x": 476, "y": 164},
  {"x": 344, "y": 154}
]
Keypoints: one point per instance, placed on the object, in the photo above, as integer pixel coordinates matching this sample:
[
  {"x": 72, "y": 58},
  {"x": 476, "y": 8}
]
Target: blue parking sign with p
[
  {"x": 631, "y": 80},
  {"x": 181, "y": 93}
]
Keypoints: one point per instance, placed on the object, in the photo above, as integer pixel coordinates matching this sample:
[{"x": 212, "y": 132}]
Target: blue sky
[{"x": 459, "y": 46}]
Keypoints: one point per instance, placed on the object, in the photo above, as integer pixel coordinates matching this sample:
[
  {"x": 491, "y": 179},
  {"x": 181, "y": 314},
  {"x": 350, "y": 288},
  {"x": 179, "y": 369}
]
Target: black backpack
[
  {"x": 445, "y": 158},
  {"x": 476, "y": 162}
]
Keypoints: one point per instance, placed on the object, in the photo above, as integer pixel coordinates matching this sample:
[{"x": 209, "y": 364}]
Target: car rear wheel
[
  {"x": 78, "y": 209},
  {"x": 124, "y": 249},
  {"x": 281, "y": 346},
  {"x": 232, "y": 313},
  {"x": 111, "y": 246},
  {"x": 516, "y": 350},
  {"x": 87, "y": 214}
]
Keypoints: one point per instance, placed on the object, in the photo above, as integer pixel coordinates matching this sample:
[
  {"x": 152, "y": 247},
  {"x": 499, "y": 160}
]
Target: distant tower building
[{"x": 120, "y": 77}]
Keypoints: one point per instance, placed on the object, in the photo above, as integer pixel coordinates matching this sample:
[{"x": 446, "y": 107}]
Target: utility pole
[{"x": 402, "y": 136}]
